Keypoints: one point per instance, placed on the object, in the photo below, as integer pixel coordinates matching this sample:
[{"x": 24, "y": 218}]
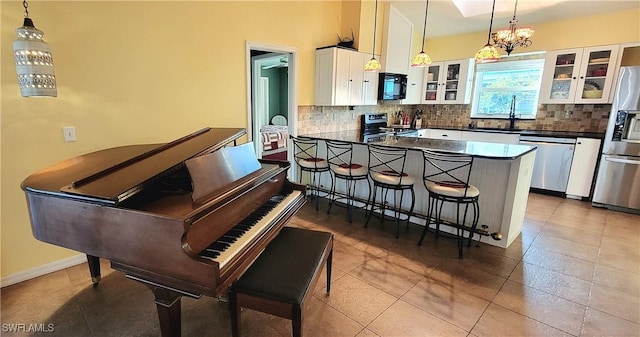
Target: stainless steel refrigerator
[{"x": 618, "y": 181}]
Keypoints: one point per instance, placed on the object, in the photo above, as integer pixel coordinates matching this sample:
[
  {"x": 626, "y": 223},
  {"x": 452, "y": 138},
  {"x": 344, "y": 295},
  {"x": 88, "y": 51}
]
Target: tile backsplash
[{"x": 557, "y": 117}]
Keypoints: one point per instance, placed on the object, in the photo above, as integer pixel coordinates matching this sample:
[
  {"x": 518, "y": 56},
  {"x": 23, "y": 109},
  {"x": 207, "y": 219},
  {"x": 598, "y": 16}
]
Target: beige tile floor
[{"x": 574, "y": 271}]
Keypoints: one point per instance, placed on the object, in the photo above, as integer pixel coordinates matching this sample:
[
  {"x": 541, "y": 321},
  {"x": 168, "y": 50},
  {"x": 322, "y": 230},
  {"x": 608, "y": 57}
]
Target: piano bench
[{"x": 282, "y": 277}]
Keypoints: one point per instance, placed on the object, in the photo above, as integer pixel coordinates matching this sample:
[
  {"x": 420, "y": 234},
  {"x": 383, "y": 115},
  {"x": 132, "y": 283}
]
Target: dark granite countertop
[
  {"x": 524, "y": 132},
  {"x": 476, "y": 149}
]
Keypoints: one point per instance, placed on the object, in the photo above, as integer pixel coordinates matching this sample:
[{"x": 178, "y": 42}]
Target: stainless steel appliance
[
  {"x": 618, "y": 181},
  {"x": 553, "y": 162},
  {"x": 373, "y": 127}
]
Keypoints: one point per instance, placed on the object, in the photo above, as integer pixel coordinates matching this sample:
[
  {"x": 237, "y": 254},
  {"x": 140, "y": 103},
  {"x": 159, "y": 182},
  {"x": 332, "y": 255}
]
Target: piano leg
[
  {"x": 169, "y": 311},
  {"x": 94, "y": 269}
]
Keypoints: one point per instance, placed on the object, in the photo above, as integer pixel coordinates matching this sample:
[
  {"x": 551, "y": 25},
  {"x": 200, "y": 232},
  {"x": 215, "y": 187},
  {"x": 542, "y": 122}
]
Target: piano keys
[{"x": 185, "y": 218}]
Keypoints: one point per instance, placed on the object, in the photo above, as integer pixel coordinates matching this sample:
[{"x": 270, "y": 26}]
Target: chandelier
[
  {"x": 34, "y": 63},
  {"x": 514, "y": 36},
  {"x": 373, "y": 64}
]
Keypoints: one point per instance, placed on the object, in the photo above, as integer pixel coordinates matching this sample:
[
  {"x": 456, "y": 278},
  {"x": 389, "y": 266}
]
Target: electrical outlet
[{"x": 69, "y": 133}]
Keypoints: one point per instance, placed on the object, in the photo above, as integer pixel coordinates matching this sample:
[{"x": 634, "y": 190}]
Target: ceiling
[{"x": 445, "y": 19}]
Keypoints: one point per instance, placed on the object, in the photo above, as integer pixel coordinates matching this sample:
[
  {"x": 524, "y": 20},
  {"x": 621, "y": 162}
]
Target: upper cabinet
[
  {"x": 396, "y": 41},
  {"x": 448, "y": 82},
  {"x": 581, "y": 75},
  {"x": 415, "y": 80},
  {"x": 341, "y": 79}
]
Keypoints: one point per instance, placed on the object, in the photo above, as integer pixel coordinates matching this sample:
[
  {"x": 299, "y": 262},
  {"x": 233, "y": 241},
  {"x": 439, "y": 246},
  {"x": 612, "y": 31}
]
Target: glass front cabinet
[
  {"x": 448, "y": 82},
  {"x": 581, "y": 75}
]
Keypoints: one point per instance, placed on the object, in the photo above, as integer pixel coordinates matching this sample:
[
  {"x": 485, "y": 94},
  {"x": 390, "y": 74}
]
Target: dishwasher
[{"x": 553, "y": 162}]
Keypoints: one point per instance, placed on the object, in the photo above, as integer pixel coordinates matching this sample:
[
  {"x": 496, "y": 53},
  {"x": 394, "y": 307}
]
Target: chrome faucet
[{"x": 512, "y": 113}]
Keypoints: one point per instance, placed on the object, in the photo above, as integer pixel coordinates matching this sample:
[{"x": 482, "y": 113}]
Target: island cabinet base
[{"x": 504, "y": 189}]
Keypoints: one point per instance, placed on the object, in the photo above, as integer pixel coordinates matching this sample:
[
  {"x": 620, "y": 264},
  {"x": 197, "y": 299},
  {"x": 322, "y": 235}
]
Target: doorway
[{"x": 272, "y": 107}]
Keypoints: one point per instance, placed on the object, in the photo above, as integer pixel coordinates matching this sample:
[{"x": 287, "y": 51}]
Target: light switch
[{"x": 69, "y": 133}]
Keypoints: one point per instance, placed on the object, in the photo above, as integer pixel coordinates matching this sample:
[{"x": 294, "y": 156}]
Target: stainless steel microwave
[{"x": 392, "y": 86}]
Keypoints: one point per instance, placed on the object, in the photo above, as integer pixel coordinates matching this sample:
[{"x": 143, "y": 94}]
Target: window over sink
[{"x": 499, "y": 85}]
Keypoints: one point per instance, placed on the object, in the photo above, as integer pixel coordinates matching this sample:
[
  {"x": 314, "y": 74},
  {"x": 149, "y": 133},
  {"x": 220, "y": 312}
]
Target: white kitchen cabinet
[
  {"x": 414, "y": 85},
  {"x": 423, "y": 133},
  {"x": 397, "y": 36},
  {"x": 448, "y": 82},
  {"x": 580, "y": 75},
  {"x": 491, "y": 137},
  {"x": 583, "y": 166},
  {"x": 341, "y": 79},
  {"x": 370, "y": 85},
  {"x": 445, "y": 134}
]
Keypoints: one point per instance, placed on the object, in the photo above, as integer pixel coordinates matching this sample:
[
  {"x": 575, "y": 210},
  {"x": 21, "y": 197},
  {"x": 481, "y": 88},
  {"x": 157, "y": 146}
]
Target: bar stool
[
  {"x": 306, "y": 156},
  {"x": 387, "y": 170},
  {"x": 446, "y": 178},
  {"x": 341, "y": 165}
]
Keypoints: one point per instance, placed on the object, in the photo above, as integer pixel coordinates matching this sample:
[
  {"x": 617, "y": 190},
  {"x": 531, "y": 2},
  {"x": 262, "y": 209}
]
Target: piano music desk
[{"x": 281, "y": 278}]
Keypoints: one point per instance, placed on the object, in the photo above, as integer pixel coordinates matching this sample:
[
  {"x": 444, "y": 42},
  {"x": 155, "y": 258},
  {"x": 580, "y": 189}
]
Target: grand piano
[{"x": 185, "y": 218}]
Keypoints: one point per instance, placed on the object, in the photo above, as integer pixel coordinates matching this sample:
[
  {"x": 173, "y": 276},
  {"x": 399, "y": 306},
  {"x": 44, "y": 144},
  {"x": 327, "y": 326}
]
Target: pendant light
[
  {"x": 488, "y": 53},
  {"x": 373, "y": 64},
  {"x": 422, "y": 59},
  {"x": 34, "y": 63},
  {"x": 514, "y": 36}
]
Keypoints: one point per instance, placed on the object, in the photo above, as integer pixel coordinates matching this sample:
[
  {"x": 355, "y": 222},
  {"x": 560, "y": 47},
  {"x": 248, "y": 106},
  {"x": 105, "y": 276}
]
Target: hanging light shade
[
  {"x": 514, "y": 36},
  {"x": 422, "y": 59},
  {"x": 34, "y": 63},
  {"x": 373, "y": 64},
  {"x": 488, "y": 53}
]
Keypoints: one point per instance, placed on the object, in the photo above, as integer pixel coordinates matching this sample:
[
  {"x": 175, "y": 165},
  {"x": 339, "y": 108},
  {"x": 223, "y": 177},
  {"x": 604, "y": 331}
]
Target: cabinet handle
[
  {"x": 366, "y": 81},
  {"x": 574, "y": 77},
  {"x": 581, "y": 77},
  {"x": 579, "y": 143}
]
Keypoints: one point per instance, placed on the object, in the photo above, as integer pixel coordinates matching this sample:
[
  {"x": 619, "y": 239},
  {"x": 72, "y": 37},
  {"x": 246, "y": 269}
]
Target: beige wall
[
  {"x": 136, "y": 72},
  {"x": 617, "y": 27}
]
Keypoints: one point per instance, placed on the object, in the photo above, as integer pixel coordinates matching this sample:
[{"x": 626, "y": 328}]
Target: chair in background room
[
  {"x": 341, "y": 165},
  {"x": 387, "y": 171},
  {"x": 306, "y": 156},
  {"x": 446, "y": 177}
]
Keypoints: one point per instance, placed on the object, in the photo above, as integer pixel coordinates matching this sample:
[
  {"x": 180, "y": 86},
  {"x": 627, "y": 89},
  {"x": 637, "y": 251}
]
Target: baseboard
[{"x": 42, "y": 270}]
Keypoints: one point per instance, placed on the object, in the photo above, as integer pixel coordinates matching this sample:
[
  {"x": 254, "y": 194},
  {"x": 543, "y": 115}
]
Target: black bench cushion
[{"x": 285, "y": 269}]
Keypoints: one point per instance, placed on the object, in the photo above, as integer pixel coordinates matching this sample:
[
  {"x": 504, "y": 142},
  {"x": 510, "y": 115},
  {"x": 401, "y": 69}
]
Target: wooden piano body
[{"x": 134, "y": 206}]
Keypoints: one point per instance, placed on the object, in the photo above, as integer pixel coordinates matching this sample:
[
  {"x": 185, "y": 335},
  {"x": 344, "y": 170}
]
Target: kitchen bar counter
[
  {"x": 524, "y": 132},
  {"x": 476, "y": 149},
  {"x": 502, "y": 172}
]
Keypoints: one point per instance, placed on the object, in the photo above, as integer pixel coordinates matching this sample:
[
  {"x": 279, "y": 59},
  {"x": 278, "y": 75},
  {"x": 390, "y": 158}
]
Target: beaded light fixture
[
  {"x": 514, "y": 36},
  {"x": 422, "y": 59},
  {"x": 488, "y": 53},
  {"x": 373, "y": 64},
  {"x": 34, "y": 63}
]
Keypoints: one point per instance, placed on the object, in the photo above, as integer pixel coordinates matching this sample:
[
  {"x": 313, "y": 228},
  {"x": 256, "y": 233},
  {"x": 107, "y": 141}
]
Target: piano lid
[
  {"x": 216, "y": 170},
  {"x": 113, "y": 175}
]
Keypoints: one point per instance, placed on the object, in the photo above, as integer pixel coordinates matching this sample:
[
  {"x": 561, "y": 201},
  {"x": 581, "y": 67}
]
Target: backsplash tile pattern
[{"x": 557, "y": 117}]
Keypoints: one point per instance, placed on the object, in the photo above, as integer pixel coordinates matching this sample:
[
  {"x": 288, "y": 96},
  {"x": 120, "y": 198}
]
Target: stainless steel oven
[{"x": 373, "y": 127}]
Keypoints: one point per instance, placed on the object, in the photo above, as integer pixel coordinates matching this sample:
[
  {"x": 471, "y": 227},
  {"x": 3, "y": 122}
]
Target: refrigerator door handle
[{"x": 624, "y": 161}]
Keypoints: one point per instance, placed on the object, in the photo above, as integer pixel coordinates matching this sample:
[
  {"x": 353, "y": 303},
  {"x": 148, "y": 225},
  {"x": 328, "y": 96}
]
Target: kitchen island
[{"x": 502, "y": 172}]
